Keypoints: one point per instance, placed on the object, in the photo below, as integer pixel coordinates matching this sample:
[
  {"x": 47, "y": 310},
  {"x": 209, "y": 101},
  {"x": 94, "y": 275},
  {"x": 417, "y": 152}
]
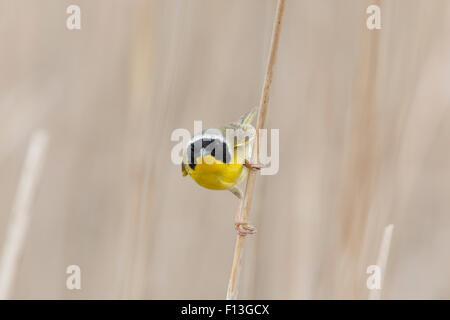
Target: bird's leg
[
  {"x": 242, "y": 228},
  {"x": 236, "y": 191},
  {"x": 253, "y": 166}
]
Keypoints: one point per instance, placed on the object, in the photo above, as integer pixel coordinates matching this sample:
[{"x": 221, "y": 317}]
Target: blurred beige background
[{"x": 364, "y": 142}]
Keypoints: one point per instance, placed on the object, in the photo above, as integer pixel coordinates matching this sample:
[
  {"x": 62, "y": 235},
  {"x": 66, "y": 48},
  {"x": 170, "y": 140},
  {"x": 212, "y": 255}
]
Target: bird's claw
[
  {"x": 243, "y": 228},
  {"x": 253, "y": 166}
]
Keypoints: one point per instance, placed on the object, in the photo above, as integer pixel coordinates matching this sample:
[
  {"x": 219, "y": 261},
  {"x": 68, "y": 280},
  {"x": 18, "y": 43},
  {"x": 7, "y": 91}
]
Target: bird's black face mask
[{"x": 207, "y": 145}]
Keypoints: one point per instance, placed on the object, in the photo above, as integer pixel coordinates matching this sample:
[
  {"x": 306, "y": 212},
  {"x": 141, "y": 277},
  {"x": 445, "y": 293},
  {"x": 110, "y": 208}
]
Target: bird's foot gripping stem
[
  {"x": 243, "y": 228},
  {"x": 253, "y": 166}
]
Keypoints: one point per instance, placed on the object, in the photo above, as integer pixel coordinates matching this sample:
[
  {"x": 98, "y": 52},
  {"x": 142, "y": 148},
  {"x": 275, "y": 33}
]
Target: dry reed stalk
[
  {"x": 20, "y": 215},
  {"x": 245, "y": 205},
  {"x": 383, "y": 255}
]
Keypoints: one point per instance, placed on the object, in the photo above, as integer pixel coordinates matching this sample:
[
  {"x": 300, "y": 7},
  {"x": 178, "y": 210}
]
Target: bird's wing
[
  {"x": 248, "y": 117},
  {"x": 238, "y": 135},
  {"x": 241, "y": 135},
  {"x": 242, "y": 129}
]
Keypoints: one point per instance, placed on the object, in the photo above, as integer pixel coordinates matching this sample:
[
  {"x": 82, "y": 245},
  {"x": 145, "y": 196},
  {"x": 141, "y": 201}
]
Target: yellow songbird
[{"x": 220, "y": 158}]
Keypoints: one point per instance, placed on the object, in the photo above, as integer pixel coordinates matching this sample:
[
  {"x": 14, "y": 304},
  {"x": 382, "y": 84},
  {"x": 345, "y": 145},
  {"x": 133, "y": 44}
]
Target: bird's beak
[{"x": 183, "y": 170}]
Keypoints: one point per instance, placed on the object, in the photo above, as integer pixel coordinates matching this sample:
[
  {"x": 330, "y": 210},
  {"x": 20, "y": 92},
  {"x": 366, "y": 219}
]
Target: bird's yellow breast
[{"x": 214, "y": 174}]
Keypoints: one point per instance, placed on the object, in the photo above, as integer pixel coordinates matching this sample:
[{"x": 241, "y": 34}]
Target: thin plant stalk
[
  {"x": 245, "y": 204},
  {"x": 20, "y": 215},
  {"x": 382, "y": 260}
]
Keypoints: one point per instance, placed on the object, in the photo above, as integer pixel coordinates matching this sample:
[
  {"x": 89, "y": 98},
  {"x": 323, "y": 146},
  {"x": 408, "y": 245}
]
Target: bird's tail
[{"x": 249, "y": 116}]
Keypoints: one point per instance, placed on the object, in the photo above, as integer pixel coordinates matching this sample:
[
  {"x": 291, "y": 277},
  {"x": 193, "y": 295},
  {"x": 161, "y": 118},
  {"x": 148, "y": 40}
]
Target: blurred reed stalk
[
  {"x": 382, "y": 260},
  {"x": 20, "y": 216},
  {"x": 245, "y": 204}
]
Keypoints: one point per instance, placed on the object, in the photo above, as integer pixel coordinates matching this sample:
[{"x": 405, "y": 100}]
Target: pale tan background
[{"x": 364, "y": 141}]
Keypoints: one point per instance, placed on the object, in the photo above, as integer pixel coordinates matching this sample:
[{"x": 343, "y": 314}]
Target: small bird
[{"x": 219, "y": 159}]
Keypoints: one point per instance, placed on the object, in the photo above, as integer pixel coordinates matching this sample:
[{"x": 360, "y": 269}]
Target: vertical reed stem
[
  {"x": 382, "y": 260},
  {"x": 20, "y": 216},
  {"x": 232, "y": 291}
]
